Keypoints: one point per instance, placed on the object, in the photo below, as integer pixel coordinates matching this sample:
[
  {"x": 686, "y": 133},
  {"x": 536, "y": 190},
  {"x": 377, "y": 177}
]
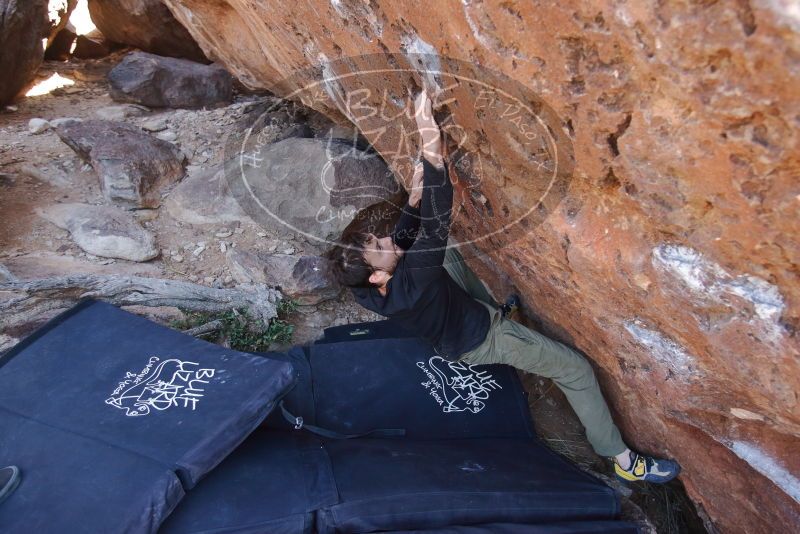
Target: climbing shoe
[
  {"x": 647, "y": 469},
  {"x": 9, "y": 479},
  {"x": 510, "y": 307}
]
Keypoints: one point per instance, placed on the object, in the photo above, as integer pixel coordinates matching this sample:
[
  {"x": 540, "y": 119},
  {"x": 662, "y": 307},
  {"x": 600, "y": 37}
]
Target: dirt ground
[{"x": 37, "y": 171}]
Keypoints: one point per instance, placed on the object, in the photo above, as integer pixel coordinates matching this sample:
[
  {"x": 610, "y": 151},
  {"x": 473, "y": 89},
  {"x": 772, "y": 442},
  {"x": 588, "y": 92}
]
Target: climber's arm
[
  {"x": 435, "y": 212},
  {"x": 428, "y": 130},
  {"x": 407, "y": 226},
  {"x": 437, "y": 194}
]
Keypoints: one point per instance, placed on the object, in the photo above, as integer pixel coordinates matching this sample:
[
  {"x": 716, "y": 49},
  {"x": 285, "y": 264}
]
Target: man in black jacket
[{"x": 423, "y": 285}]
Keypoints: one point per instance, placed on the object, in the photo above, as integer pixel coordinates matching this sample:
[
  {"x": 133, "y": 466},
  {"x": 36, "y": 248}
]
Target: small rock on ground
[
  {"x": 118, "y": 113},
  {"x": 37, "y": 126},
  {"x": 154, "y": 125}
]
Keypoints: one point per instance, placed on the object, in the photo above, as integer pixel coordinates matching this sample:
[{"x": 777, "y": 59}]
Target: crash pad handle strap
[{"x": 298, "y": 424}]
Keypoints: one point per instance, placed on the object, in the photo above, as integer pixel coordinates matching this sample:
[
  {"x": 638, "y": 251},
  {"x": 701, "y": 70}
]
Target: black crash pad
[
  {"x": 272, "y": 484},
  {"x": 133, "y": 412},
  {"x": 386, "y": 329},
  {"x": 359, "y": 386},
  {"x": 287, "y": 482},
  {"x": 113, "y": 420},
  {"x": 393, "y": 484}
]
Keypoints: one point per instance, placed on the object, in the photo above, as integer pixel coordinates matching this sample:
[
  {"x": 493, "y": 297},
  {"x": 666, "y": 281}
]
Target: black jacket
[{"x": 421, "y": 297}]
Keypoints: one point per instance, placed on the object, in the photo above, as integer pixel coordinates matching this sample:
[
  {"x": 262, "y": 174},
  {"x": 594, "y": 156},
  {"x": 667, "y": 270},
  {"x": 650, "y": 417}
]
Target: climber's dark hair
[{"x": 346, "y": 260}]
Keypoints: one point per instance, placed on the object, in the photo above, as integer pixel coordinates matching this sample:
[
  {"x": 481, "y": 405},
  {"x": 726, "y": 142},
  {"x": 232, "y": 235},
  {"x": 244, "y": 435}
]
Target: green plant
[
  {"x": 243, "y": 331},
  {"x": 248, "y": 334},
  {"x": 191, "y": 320},
  {"x": 286, "y": 307}
]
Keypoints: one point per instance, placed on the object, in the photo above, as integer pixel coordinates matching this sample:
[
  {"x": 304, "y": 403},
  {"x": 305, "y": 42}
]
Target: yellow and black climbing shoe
[{"x": 647, "y": 469}]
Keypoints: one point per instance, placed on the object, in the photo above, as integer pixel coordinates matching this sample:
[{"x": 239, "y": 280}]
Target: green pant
[{"x": 511, "y": 343}]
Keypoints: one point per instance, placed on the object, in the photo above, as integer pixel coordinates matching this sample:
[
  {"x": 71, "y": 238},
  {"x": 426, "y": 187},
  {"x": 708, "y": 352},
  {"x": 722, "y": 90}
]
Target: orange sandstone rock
[{"x": 670, "y": 254}]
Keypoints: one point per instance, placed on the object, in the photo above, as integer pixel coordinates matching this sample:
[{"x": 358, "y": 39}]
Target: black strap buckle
[{"x": 298, "y": 424}]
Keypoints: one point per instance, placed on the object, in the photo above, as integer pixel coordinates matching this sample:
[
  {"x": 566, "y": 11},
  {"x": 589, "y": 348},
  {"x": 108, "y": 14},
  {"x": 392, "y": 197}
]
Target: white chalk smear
[
  {"x": 787, "y": 12},
  {"x": 476, "y": 31},
  {"x": 768, "y": 466},
  {"x": 741, "y": 413},
  {"x": 765, "y": 297},
  {"x": 359, "y": 11},
  {"x": 664, "y": 350},
  {"x": 424, "y": 58},
  {"x": 330, "y": 81},
  {"x": 337, "y": 5},
  {"x": 709, "y": 280}
]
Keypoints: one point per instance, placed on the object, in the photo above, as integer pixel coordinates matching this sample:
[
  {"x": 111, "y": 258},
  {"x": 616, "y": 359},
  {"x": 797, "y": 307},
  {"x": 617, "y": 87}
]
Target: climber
[{"x": 417, "y": 280}]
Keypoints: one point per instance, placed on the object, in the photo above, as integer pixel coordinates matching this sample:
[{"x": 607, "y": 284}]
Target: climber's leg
[
  {"x": 460, "y": 272},
  {"x": 512, "y": 343}
]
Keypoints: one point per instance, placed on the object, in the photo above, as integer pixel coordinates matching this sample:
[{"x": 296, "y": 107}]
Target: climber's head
[{"x": 361, "y": 259}]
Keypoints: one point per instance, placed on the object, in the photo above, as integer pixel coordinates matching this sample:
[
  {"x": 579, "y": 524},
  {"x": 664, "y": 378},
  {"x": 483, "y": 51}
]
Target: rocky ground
[
  {"x": 40, "y": 175},
  {"x": 38, "y": 171}
]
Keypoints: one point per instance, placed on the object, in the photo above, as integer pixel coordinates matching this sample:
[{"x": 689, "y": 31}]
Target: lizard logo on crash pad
[
  {"x": 457, "y": 387},
  {"x": 161, "y": 385}
]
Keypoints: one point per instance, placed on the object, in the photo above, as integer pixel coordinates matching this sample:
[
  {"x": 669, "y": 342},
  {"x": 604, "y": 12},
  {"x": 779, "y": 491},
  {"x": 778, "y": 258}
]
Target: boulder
[
  {"x": 145, "y": 24},
  {"x": 309, "y": 186},
  {"x": 203, "y": 197},
  {"x": 304, "y": 279},
  {"x": 92, "y": 45},
  {"x": 23, "y": 25},
  {"x": 157, "y": 81},
  {"x": 667, "y": 251},
  {"x": 60, "y": 46},
  {"x": 103, "y": 231},
  {"x": 132, "y": 165}
]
